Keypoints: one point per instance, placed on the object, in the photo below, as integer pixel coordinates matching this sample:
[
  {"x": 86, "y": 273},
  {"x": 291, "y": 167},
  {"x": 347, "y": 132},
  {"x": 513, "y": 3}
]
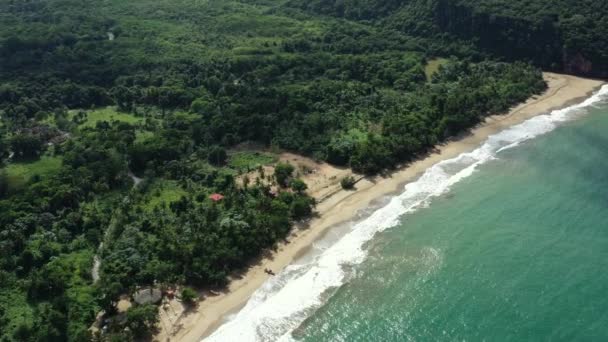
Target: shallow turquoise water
[{"x": 516, "y": 252}]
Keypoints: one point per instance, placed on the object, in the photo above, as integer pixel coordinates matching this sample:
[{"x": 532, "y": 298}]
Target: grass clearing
[
  {"x": 250, "y": 160},
  {"x": 162, "y": 193},
  {"x": 21, "y": 172},
  {"x": 106, "y": 114},
  {"x": 432, "y": 66}
]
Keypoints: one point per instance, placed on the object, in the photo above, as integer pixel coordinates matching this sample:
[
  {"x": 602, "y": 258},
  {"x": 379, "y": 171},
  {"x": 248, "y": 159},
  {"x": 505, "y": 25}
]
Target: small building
[{"x": 216, "y": 197}]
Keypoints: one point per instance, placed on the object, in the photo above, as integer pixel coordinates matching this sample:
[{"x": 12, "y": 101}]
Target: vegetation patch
[
  {"x": 163, "y": 193},
  {"x": 20, "y": 172},
  {"x": 108, "y": 114},
  {"x": 432, "y": 66},
  {"x": 247, "y": 161}
]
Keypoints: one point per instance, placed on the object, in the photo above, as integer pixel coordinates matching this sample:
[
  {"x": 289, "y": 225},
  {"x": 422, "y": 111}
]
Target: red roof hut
[{"x": 216, "y": 197}]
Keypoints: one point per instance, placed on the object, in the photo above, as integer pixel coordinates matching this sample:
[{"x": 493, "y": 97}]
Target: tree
[
  {"x": 282, "y": 173},
  {"x": 348, "y": 183},
  {"x": 189, "y": 295},
  {"x": 26, "y": 145},
  {"x": 3, "y": 149},
  {"x": 202, "y": 106},
  {"x": 298, "y": 185},
  {"x": 23, "y": 331},
  {"x": 50, "y": 324},
  {"x": 301, "y": 207},
  {"x": 217, "y": 156},
  {"x": 141, "y": 319},
  {"x": 4, "y": 183}
]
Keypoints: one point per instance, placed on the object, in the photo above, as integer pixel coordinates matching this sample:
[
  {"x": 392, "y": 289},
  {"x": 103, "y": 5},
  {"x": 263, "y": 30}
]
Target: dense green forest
[
  {"x": 120, "y": 118},
  {"x": 561, "y": 35}
]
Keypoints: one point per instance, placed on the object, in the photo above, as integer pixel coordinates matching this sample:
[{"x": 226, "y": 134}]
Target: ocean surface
[{"x": 506, "y": 243}]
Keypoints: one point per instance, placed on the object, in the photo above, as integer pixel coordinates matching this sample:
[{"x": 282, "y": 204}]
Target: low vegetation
[{"x": 348, "y": 183}]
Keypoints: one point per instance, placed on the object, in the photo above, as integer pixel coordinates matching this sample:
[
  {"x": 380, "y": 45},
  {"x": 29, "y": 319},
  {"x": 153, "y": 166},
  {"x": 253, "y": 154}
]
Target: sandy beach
[{"x": 337, "y": 206}]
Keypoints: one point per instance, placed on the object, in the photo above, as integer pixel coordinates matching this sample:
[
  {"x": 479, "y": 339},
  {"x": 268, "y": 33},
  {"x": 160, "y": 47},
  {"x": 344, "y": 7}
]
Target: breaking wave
[{"x": 286, "y": 300}]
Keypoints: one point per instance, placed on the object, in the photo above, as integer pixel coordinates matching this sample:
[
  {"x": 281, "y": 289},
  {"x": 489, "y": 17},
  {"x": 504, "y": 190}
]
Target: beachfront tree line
[{"x": 350, "y": 94}]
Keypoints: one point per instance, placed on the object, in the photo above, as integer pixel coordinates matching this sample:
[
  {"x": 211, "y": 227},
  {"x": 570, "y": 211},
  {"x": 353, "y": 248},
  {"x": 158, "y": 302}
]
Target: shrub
[
  {"x": 298, "y": 185},
  {"x": 140, "y": 319},
  {"x": 348, "y": 183},
  {"x": 189, "y": 295},
  {"x": 282, "y": 173}
]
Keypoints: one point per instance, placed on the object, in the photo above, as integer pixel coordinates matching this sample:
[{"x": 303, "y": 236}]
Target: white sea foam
[{"x": 284, "y": 301}]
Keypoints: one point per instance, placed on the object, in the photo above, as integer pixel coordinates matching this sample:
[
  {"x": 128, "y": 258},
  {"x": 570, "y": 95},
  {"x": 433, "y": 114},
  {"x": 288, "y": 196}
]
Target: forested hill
[{"x": 561, "y": 35}]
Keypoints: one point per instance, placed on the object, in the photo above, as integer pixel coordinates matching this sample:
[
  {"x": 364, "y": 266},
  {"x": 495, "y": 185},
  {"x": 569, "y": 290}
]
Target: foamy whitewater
[{"x": 286, "y": 300}]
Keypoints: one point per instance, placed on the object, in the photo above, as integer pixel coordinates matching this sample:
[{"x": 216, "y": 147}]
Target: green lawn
[
  {"x": 432, "y": 66},
  {"x": 106, "y": 114},
  {"x": 163, "y": 192},
  {"x": 20, "y": 173},
  {"x": 251, "y": 160}
]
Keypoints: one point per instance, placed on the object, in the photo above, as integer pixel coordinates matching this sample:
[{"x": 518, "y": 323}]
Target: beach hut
[{"x": 216, "y": 197}]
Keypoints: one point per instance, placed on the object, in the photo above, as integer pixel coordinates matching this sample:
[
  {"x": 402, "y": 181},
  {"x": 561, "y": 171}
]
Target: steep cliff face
[
  {"x": 547, "y": 40},
  {"x": 509, "y": 37}
]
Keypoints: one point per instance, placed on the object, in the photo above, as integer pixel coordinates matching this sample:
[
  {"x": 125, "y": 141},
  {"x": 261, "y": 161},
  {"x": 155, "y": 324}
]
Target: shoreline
[{"x": 342, "y": 206}]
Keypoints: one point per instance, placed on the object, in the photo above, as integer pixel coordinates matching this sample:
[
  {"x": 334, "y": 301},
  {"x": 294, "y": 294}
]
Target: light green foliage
[
  {"x": 161, "y": 194},
  {"x": 432, "y": 66},
  {"x": 20, "y": 173},
  {"x": 141, "y": 136},
  {"x": 15, "y": 308},
  {"x": 109, "y": 114},
  {"x": 245, "y": 161}
]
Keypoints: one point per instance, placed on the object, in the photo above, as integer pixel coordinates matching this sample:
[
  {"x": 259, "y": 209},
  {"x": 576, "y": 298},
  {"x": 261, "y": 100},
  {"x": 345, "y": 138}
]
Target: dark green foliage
[
  {"x": 301, "y": 207},
  {"x": 347, "y": 183},
  {"x": 217, "y": 156},
  {"x": 188, "y": 295},
  {"x": 562, "y": 35},
  {"x": 4, "y": 148},
  {"x": 298, "y": 185},
  {"x": 283, "y": 173},
  {"x": 26, "y": 145},
  {"x": 4, "y": 184},
  {"x": 141, "y": 318}
]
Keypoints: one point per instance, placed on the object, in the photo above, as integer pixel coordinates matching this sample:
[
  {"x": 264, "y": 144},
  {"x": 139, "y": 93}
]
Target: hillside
[{"x": 567, "y": 36}]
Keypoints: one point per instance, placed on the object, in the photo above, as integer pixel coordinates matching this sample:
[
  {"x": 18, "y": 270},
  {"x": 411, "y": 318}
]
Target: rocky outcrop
[{"x": 578, "y": 64}]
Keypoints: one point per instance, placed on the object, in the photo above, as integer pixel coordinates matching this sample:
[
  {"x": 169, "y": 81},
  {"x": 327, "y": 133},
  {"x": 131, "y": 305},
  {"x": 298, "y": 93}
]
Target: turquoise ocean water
[{"x": 506, "y": 243}]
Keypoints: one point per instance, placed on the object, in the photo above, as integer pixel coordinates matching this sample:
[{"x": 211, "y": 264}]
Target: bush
[
  {"x": 140, "y": 319},
  {"x": 189, "y": 295},
  {"x": 217, "y": 156},
  {"x": 348, "y": 183},
  {"x": 301, "y": 207},
  {"x": 282, "y": 173},
  {"x": 298, "y": 185}
]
